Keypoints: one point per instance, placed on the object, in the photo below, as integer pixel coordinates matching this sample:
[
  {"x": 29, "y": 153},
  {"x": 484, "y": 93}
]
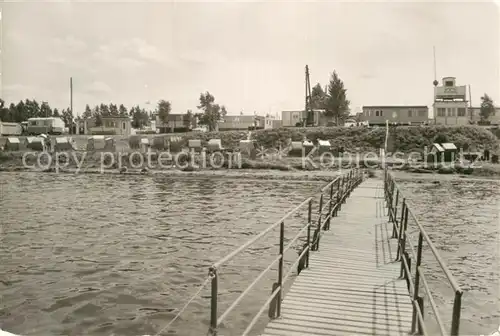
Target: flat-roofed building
[{"x": 400, "y": 114}]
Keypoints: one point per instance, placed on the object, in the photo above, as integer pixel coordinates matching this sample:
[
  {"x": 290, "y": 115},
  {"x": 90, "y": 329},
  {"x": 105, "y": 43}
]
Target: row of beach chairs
[
  {"x": 39, "y": 144},
  {"x": 100, "y": 142}
]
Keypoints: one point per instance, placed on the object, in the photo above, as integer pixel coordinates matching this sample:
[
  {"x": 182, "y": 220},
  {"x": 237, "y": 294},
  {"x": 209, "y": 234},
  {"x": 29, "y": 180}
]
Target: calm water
[
  {"x": 104, "y": 255},
  {"x": 462, "y": 219},
  {"x": 119, "y": 255}
]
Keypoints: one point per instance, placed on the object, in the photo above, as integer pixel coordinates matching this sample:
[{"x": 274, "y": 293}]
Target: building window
[
  {"x": 123, "y": 125},
  {"x": 410, "y": 113},
  {"x": 421, "y": 113},
  {"x": 448, "y": 83},
  {"x": 461, "y": 112},
  {"x": 378, "y": 113},
  {"x": 441, "y": 112},
  {"x": 451, "y": 111}
]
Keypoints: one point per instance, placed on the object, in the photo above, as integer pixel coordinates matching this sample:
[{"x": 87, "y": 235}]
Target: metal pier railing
[
  {"x": 331, "y": 198},
  {"x": 396, "y": 200}
]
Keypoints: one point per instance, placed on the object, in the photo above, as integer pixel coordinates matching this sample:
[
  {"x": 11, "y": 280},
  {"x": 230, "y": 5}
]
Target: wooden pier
[
  {"x": 359, "y": 271},
  {"x": 352, "y": 285}
]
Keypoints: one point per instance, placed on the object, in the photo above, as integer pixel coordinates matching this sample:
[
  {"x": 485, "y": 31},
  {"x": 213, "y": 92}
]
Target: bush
[{"x": 404, "y": 138}]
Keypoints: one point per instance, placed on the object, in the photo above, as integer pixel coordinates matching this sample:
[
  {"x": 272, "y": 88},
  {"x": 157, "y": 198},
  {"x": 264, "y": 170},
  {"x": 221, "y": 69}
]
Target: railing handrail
[
  {"x": 344, "y": 188},
  {"x": 260, "y": 235},
  {"x": 400, "y": 229},
  {"x": 442, "y": 264}
]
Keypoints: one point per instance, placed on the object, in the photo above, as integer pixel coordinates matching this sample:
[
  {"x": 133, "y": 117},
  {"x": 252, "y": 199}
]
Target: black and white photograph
[{"x": 249, "y": 168}]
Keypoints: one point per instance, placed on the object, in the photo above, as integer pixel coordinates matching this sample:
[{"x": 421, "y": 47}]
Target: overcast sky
[{"x": 250, "y": 56}]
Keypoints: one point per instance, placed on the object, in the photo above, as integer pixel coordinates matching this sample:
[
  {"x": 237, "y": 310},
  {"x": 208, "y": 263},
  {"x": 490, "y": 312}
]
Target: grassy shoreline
[
  {"x": 126, "y": 164},
  {"x": 403, "y": 138}
]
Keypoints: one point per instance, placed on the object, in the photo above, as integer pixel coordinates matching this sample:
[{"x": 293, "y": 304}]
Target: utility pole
[
  {"x": 435, "y": 83},
  {"x": 71, "y": 104},
  {"x": 470, "y": 104}
]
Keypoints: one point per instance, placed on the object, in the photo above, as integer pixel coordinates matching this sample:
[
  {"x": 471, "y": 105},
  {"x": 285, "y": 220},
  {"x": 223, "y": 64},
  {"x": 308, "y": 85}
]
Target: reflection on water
[
  {"x": 103, "y": 255},
  {"x": 462, "y": 219}
]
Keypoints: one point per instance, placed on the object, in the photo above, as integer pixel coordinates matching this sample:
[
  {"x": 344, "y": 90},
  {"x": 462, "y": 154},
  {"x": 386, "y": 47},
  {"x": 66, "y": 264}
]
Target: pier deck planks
[{"x": 352, "y": 285}]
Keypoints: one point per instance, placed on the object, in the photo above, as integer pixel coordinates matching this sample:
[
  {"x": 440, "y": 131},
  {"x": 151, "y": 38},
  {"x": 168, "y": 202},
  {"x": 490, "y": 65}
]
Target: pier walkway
[
  {"x": 359, "y": 271},
  {"x": 352, "y": 284}
]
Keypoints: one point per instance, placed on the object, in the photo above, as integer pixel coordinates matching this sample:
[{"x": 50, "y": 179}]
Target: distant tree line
[
  {"x": 26, "y": 109},
  {"x": 210, "y": 112}
]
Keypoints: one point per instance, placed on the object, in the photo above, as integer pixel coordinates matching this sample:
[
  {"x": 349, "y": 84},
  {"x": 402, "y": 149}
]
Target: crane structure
[{"x": 308, "y": 110}]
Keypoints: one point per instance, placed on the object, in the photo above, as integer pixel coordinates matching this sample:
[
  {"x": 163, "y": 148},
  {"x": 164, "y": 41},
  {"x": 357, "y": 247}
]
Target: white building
[
  {"x": 450, "y": 103},
  {"x": 297, "y": 118},
  {"x": 271, "y": 122}
]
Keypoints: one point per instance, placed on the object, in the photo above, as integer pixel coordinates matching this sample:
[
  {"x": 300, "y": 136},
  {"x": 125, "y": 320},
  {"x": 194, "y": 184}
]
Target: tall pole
[
  {"x": 306, "y": 112},
  {"x": 71, "y": 95},
  {"x": 435, "y": 83},
  {"x": 435, "y": 71},
  {"x": 470, "y": 103},
  {"x": 71, "y": 103}
]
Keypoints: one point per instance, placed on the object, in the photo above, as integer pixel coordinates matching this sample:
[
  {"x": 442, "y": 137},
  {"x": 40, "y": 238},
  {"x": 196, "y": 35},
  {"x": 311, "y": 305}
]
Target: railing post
[
  {"x": 309, "y": 223},
  {"x": 420, "y": 303},
  {"x": 337, "y": 208},
  {"x": 457, "y": 306},
  {"x": 400, "y": 227},
  {"x": 402, "y": 253},
  {"x": 394, "y": 234},
  {"x": 213, "y": 301},
  {"x": 407, "y": 276},
  {"x": 280, "y": 269},
  {"x": 417, "y": 280},
  {"x": 330, "y": 207},
  {"x": 345, "y": 187},
  {"x": 402, "y": 234},
  {"x": 321, "y": 204}
]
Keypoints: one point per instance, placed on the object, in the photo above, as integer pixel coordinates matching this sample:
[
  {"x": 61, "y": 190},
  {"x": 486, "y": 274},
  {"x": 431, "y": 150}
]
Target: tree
[
  {"x": 164, "y": 107},
  {"x": 87, "y": 114},
  {"x": 4, "y": 112},
  {"x": 318, "y": 97},
  {"x": 104, "y": 110},
  {"x": 336, "y": 102},
  {"x": 56, "y": 113},
  {"x": 139, "y": 117},
  {"x": 113, "y": 109},
  {"x": 67, "y": 117},
  {"x": 32, "y": 108},
  {"x": 96, "y": 113},
  {"x": 45, "y": 110},
  {"x": 212, "y": 113},
  {"x": 190, "y": 120},
  {"x": 122, "y": 110},
  {"x": 487, "y": 108}
]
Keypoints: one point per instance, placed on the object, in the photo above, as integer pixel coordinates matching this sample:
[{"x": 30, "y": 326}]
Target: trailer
[
  {"x": 10, "y": 128},
  {"x": 52, "y": 125}
]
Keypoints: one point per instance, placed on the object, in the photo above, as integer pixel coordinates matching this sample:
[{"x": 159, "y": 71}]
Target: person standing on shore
[{"x": 48, "y": 144}]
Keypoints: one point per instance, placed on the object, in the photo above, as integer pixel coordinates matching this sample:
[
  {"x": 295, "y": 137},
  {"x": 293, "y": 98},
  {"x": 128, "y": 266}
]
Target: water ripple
[
  {"x": 114, "y": 255},
  {"x": 462, "y": 219}
]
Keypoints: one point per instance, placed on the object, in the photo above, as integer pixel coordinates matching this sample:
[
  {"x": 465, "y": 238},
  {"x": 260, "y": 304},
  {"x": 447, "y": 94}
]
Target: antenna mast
[{"x": 435, "y": 71}]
